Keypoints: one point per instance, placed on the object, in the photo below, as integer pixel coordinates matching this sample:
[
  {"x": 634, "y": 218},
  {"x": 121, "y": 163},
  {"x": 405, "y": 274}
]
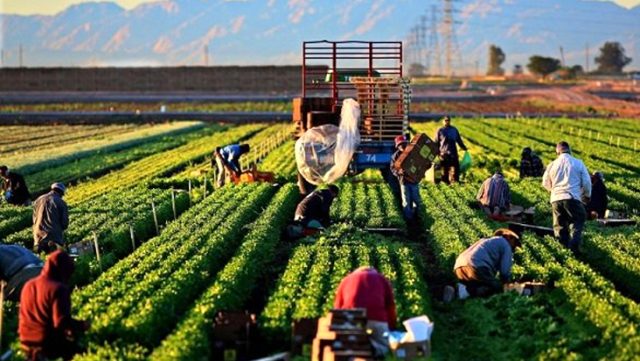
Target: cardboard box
[
  {"x": 417, "y": 157},
  {"x": 303, "y": 332},
  {"x": 340, "y": 333},
  {"x": 81, "y": 248},
  {"x": 231, "y": 336},
  {"x": 330, "y": 354},
  {"x": 411, "y": 350}
]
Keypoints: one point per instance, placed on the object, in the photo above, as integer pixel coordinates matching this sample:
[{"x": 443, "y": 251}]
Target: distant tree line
[{"x": 611, "y": 61}]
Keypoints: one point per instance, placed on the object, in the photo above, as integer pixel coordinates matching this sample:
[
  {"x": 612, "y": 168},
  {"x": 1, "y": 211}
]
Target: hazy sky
[{"x": 27, "y": 7}]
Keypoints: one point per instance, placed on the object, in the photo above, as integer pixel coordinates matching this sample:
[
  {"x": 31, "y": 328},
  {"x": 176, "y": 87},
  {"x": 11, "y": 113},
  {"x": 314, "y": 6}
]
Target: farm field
[{"x": 154, "y": 298}]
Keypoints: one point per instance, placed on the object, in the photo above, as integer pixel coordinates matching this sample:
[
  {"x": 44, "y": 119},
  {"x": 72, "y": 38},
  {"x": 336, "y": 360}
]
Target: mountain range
[{"x": 244, "y": 32}]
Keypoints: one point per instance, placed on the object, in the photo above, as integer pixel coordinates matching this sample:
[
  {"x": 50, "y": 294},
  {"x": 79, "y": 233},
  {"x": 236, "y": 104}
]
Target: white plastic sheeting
[{"x": 323, "y": 153}]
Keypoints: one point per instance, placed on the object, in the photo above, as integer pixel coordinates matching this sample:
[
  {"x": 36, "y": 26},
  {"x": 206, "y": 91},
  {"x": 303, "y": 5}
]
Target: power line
[{"x": 434, "y": 43}]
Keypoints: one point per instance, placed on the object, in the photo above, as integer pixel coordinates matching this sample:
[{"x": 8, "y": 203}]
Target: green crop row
[
  {"x": 576, "y": 287},
  {"x": 589, "y": 127},
  {"x": 367, "y": 204},
  {"x": 13, "y": 219},
  {"x": 308, "y": 290},
  {"x": 615, "y": 257},
  {"x": 33, "y": 161},
  {"x": 281, "y": 161},
  {"x": 143, "y": 305},
  {"x": 104, "y": 161},
  {"x": 261, "y": 144},
  {"x": 153, "y": 252},
  {"x": 159, "y": 164},
  {"x": 233, "y": 285},
  {"x": 38, "y": 138},
  {"x": 604, "y": 157},
  {"x": 504, "y": 142},
  {"x": 111, "y": 218}
]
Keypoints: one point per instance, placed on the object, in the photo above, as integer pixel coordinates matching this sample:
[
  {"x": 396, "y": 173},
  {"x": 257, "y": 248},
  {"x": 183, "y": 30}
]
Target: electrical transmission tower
[
  {"x": 449, "y": 34},
  {"x": 422, "y": 38},
  {"x": 434, "y": 43}
]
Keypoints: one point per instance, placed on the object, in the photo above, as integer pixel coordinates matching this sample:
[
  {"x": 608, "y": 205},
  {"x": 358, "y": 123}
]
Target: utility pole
[
  {"x": 586, "y": 58},
  {"x": 206, "y": 55},
  {"x": 562, "y": 56},
  {"x": 2, "y": 58},
  {"x": 415, "y": 41}
]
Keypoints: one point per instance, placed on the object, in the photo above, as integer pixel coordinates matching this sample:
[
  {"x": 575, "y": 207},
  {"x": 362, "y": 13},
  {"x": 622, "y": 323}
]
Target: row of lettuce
[
  {"x": 122, "y": 208},
  {"x": 194, "y": 147},
  {"x": 142, "y": 312},
  {"x": 583, "y": 315}
]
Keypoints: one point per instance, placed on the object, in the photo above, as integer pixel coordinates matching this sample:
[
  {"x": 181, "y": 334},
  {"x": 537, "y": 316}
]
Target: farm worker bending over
[
  {"x": 17, "y": 266},
  {"x": 494, "y": 195},
  {"x": 316, "y": 206},
  {"x": 228, "y": 159},
  {"x": 598, "y": 203},
  {"x": 45, "y": 326},
  {"x": 569, "y": 182},
  {"x": 409, "y": 189},
  {"x": 367, "y": 288},
  {"x": 50, "y": 219},
  {"x": 530, "y": 164},
  {"x": 14, "y": 187},
  {"x": 447, "y": 137},
  {"x": 477, "y": 267}
]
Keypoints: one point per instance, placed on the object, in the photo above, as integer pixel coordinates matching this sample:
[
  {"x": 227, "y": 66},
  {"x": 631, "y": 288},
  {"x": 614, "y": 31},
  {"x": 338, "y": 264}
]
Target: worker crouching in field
[
  {"x": 409, "y": 189},
  {"x": 530, "y": 164},
  {"x": 46, "y": 328},
  {"x": 477, "y": 267},
  {"x": 494, "y": 195},
  {"x": 367, "y": 288},
  {"x": 14, "y": 187},
  {"x": 50, "y": 219},
  {"x": 597, "y": 206},
  {"x": 569, "y": 182},
  {"x": 17, "y": 266},
  {"x": 312, "y": 213},
  {"x": 228, "y": 160}
]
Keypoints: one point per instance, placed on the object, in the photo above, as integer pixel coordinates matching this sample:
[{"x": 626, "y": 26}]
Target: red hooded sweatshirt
[
  {"x": 45, "y": 305},
  {"x": 366, "y": 288}
]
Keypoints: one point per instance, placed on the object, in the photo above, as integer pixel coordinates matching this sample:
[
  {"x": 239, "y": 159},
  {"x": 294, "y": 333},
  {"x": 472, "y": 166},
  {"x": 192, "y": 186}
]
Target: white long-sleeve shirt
[{"x": 567, "y": 178}]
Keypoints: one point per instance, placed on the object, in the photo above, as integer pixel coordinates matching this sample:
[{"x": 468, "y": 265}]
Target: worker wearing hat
[
  {"x": 477, "y": 267},
  {"x": 409, "y": 189},
  {"x": 50, "y": 219}
]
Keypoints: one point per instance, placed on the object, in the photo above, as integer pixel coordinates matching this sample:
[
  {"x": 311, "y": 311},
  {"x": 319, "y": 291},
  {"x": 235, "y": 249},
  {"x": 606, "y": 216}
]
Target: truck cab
[{"x": 369, "y": 72}]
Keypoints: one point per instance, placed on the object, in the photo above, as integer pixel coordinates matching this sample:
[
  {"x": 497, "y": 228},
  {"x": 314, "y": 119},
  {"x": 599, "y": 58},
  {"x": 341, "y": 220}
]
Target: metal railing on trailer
[{"x": 328, "y": 65}]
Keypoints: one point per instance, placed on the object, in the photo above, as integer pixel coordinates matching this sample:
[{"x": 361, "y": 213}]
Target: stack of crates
[{"x": 384, "y": 103}]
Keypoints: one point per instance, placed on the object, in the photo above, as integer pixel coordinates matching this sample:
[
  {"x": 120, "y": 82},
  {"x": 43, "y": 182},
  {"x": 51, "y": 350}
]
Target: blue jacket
[
  {"x": 231, "y": 155},
  {"x": 13, "y": 259}
]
